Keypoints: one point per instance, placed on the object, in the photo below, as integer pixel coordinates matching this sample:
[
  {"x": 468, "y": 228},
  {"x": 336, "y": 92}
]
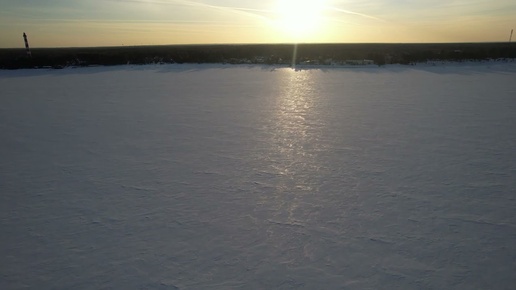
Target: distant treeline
[{"x": 380, "y": 54}]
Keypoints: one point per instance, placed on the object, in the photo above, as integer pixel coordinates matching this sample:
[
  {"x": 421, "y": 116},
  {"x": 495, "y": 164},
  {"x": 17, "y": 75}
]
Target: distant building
[{"x": 359, "y": 62}]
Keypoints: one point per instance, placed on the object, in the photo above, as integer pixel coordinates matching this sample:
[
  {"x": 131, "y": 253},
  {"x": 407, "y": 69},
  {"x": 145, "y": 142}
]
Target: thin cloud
[
  {"x": 354, "y": 13},
  {"x": 262, "y": 14},
  {"x": 249, "y": 12}
]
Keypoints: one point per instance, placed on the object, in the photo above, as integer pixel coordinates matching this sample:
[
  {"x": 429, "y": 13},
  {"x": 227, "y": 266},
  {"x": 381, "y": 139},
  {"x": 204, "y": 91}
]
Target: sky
[{"x": 80, "y": 23}]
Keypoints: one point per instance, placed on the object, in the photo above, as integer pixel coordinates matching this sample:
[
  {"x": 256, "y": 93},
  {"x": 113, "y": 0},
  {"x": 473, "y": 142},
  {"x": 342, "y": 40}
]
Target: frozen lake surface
[{"x": 235, "y": 177}]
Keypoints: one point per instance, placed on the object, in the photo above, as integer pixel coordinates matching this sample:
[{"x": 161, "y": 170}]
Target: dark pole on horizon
[
  {"x": 510, "y": 38},
  {"x": 29, "y": 54}
]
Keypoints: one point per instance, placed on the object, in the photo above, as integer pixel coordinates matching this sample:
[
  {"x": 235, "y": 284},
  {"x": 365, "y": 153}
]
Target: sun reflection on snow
[
  {"x": 292, "y": 112},
  {"x": 294, "y": 142}
]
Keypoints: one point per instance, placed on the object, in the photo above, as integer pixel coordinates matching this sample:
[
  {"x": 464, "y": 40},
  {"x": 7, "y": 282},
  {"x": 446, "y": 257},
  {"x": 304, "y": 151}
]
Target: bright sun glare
[{"x": 299, "y": 18}]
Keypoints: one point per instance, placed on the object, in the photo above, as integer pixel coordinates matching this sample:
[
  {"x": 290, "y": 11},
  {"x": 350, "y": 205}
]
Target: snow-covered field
[{"x": 236, "y": 177}]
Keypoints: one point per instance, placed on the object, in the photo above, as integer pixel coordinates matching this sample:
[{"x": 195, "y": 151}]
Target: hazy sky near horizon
[{"x": 67, "y": 23}]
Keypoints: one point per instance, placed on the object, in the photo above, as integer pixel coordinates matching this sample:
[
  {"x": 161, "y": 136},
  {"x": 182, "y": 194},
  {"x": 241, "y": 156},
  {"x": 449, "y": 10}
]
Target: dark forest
[{"x": 379, "y": 54}]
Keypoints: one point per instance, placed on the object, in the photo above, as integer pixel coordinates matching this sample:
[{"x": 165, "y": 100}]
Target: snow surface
[{"x": 240, "y": 177}]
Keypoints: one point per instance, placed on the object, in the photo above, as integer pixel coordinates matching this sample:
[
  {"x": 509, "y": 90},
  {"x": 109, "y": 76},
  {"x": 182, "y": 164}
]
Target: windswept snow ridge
[{"x": 236, "y": 177}]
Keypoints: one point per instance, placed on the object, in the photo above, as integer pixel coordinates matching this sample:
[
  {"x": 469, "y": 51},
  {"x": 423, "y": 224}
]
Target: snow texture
[{"x": 241, "y": 177}]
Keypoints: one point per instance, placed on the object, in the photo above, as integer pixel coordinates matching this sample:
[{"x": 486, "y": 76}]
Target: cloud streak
[
  {"x": 354, "y": 13},
  {"x": 248, "y": 12},
  {"x": 262, "y": 14}
]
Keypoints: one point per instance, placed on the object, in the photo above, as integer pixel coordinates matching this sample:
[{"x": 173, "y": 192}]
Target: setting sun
[{"x": 299, "y": 18}]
